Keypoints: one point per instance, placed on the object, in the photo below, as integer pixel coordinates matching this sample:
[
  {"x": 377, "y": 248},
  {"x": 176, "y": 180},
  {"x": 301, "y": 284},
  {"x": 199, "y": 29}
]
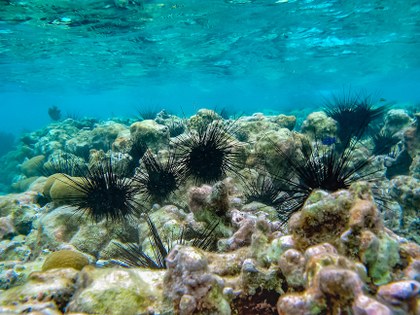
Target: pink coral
[
  {"x": 341, "y": 285},
  {"x": 402, "y": 295},
  {"x": 364, "y": 305}
]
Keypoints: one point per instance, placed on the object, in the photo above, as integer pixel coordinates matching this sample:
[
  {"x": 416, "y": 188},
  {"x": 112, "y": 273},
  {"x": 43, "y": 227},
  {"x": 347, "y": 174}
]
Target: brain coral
[{"x": 65, "y": 259}]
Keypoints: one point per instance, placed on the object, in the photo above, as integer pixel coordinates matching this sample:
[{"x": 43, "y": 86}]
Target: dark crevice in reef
[{"x": 263, "y": 302}]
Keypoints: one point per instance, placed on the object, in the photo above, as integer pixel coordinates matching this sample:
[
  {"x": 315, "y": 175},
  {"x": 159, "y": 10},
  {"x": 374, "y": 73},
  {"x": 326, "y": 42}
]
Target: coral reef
[
  {"x": 149, "y": 131},
  {"x": 396, "y": 120},
  {"x": 406, "y": 190},
  {"x": 55, "y": 286},
  {"x": 100, "y": 242}
]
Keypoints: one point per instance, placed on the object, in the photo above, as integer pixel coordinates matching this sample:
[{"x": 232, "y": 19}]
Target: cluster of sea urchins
[
  {"x": 205, "y": 155},
  {"x": 330, "y": 166},
  {"x": 210, "y": 153}
]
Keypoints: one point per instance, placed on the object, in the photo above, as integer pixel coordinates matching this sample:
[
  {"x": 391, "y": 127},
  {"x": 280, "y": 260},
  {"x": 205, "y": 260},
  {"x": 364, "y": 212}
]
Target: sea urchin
[
  {"x": 353, "y": 113},
  {"x": 321, "y": 167},
  {"x": 262, "y": 189},
  {"x": 102, "y": 194},
  {"x": 133, "y": 254},
  {"x": 210, "y": 153},
  {"x": 158, "y": 180}
]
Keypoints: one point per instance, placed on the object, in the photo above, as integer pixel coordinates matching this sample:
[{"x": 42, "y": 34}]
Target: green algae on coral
[
  {"x": 380, "y": 257},
  {"x": 100, "y": 291}
]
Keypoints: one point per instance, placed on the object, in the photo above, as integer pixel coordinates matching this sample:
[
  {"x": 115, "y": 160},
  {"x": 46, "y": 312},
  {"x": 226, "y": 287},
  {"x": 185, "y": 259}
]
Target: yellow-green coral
[
  {"x": 59, "y": 186},
  {"x": 31, "y": 166},
  {"x": 380, "y": 256},
  {"x": 65, "y": 259},
  {"x": 24, "y": 184}
]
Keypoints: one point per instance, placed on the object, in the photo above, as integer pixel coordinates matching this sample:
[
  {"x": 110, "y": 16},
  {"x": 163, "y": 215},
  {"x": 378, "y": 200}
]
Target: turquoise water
[
  {"x": 106, "y": 58},
  {"x": 295, "y": 210}
]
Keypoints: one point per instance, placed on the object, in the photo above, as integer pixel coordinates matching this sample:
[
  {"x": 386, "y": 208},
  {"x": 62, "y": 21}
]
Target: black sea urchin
[
  {"x": 133, "y": 255},
  {"x": 203, "y": 239},
  {"x": 158, "y": 180},
  {"x": 321, "y": 167},
  {"x": 263, "y": 190},
  {"x": 102, "y": 194},
  {"x": 353, "y": 113},
  {"x": 210, "y": 153},
  {"x": 383, "y": 142},
  {"x": 145, "y": 113},
  {"x": 176, "y": 127}
]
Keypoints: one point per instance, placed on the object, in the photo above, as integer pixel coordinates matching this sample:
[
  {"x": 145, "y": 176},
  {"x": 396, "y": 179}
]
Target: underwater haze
[{"x": 109, "y": 58}]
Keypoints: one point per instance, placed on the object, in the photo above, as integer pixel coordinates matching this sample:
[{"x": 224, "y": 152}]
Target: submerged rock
[
  {"x": 55, "y": 286},
  {"x": 117, "y": 292},
  {"x": 396, "y": 120},
  {"x": 150, "y": 132},
  {"x": 32, "y": 166},
  {"x": 401, "y": 296},
  {"x": 322, "y": 219},
  {"x": 406, "y": 190},
  {"x": 203, "y": 118},
  {"x": 190, "y": 285},
  {"x": 320, "y": 125}
]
